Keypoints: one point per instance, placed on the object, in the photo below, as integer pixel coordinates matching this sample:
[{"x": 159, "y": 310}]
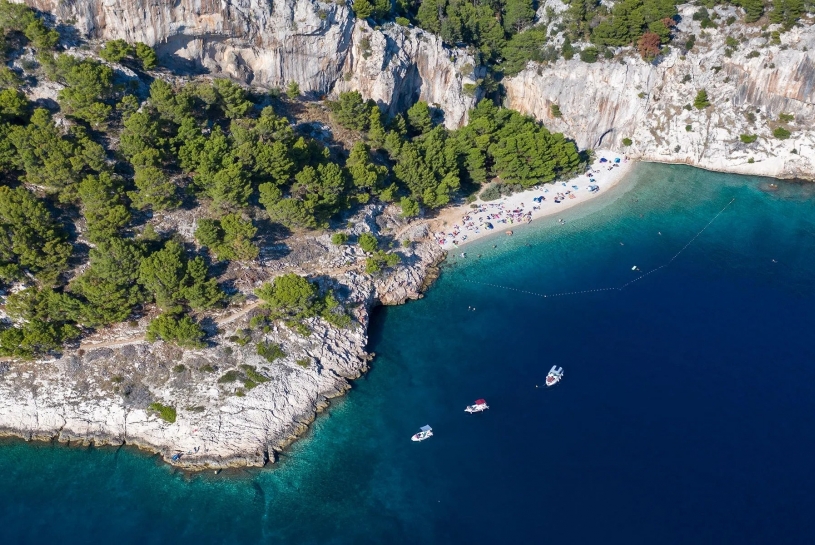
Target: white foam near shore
[{"x": 466, "y": 223}]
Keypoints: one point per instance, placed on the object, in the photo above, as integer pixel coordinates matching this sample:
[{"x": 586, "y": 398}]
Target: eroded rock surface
[
  {"x": 320, "y": 45},
  {"x": 606, "y": 102},
  {"x": 101, "y": 392}
]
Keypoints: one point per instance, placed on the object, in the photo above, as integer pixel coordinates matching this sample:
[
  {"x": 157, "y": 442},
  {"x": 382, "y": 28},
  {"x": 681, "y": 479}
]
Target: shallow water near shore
[{"x": 686, "y": 414}]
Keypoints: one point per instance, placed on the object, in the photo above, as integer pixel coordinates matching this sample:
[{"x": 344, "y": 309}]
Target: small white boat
[
  {"x": 554, "y": 376},
  {"x": 426, "y": 432},
  {"x": 477, "y": 407}
]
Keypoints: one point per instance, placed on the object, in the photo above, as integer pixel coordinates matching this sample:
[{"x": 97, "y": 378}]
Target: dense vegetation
[
  {"x": 505, "y": 34},
  {"x": 83, "y": 178}
]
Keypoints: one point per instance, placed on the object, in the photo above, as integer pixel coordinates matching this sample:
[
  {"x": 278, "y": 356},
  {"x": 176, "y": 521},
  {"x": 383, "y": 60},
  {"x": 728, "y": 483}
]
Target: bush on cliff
[
  {"x": 178, "y": 330},
  {"x": 165, "y": 412},
  {"x": 701, "y": 101},
  {"x": 289, "y": 296},
  {"x": 781, "y": 133}
]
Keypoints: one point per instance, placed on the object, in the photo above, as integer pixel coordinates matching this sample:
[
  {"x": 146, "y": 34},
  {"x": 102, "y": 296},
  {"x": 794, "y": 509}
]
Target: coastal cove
[{"x": 685, "y": 414}]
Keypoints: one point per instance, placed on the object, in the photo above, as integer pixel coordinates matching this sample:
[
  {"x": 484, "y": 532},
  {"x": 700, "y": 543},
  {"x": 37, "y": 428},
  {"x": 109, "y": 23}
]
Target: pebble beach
[{"x": 462, "y": 224}]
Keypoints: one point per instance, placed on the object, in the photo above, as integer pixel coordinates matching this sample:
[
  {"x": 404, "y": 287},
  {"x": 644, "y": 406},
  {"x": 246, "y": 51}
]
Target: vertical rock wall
[
  {"x": 320, "y": 45},
  {"x": 606, "y": 102}
]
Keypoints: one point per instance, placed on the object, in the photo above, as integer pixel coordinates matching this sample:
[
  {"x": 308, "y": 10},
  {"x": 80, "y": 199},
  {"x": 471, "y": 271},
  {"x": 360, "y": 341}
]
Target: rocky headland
[{"x": 100, "y": 391}]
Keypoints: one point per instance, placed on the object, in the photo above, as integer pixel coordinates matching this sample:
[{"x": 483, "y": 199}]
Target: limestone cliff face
[
  {"x": 605, "y": 102},
  {"x": 320, "y": 45}
]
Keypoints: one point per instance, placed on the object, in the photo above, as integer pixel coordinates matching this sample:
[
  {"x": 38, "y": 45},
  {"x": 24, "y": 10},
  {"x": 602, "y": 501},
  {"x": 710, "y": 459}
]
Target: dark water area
[{"x": 686, "y": 414}]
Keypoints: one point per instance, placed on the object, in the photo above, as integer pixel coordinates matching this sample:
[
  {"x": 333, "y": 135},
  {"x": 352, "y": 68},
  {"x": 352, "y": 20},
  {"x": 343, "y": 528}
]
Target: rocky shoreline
[{"x": 100, "y": 394}]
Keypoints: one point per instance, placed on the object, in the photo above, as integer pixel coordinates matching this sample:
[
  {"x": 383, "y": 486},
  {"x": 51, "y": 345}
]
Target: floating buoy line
[{"x": 619, "y": 288}]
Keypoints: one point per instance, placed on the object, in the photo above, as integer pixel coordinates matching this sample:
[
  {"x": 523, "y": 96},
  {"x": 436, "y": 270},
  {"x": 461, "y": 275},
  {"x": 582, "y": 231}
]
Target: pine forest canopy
[
  {"x": 84, "y": 172},
  {"x": 506, "y": 34}
]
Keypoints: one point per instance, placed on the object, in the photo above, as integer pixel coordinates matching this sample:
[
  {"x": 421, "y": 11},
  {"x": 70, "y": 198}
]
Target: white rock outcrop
[
  {"x": 102, "y": 392},
  {"x": 647, "y": 103},
  {"x": 320, "y": 45}
]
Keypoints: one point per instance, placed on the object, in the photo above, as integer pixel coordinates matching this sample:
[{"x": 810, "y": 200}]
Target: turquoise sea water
[{"x": 686, "y": 414}]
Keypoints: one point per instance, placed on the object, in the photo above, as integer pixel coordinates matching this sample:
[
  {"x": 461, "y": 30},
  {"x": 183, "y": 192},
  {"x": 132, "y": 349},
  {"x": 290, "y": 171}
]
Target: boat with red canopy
[{"x": 480, "y": 405}]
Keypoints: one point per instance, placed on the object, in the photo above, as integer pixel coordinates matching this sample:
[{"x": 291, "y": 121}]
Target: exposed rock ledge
[
  {"x": 611, "y": 101},
  {"x": 320, "y": 45},
  {"x": 100, "y": 393}
]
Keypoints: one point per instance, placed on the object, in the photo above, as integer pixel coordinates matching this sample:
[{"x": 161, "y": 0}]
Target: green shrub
[
  {"x": 293, "y": 90},
  {"x": 253, "y": 375},
  {"x": 402, "y": 21},
  {"x": 165, "y": 412},
  {"x": 181, "y": 331},
  {"x": 338, "y": 239},
  {"x": 781, "y": 133},
  {"x": 258, "y": 321},
  {"x": 627, "y": 141},
  {"x": 180, "y": 368},
  {"x": 410, "y": 208},
  {"x": 701, "y": 101},
  {"x": 785, "y": 118},
  {"x": 303, "y": 362},
  {"x": 589, "y": 55},
  {"x": 229, "y": 376},
  {"x": 270, "y": 351},
  {"x": 555, "y": 110},
  {"x": 751, "y": 161},
  {"x": 372, "y": 265},
  {"x": 146, "y": 55},
  {"x": 690, "y": 43},
  {"x": 491, "y": 193},
  {"x": 368, "y": 242},
  {"x": 748, "y": 138},
  {"x": 116, "y": 51},
  {"x": 689, "y": 128}
]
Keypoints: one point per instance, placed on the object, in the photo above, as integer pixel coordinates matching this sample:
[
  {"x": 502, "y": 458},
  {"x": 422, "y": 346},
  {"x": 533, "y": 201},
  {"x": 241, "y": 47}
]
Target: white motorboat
[
  {"x": 425, "y": 432},
  {"x": 477, "y": 407},
  {"x": 554, "y": 376}
]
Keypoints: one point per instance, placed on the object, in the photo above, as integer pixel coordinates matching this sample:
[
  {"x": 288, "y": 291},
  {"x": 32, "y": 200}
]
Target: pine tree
[
  {"x": 376, "y": 131},
  {"x": 419, "y": 118},
  {"x": 101, "y": 198},
  {"x": 363, "y": 8},
  {"x": 518, "y": 14},
  {"x": 365, "y": 175}
]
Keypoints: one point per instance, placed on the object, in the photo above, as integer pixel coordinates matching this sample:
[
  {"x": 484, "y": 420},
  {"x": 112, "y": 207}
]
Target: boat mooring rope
[{"x": 620, "y": 288}]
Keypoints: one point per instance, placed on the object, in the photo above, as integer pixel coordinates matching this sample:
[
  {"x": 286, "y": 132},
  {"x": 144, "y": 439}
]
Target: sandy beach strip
[{"x": 459, "y": 225}]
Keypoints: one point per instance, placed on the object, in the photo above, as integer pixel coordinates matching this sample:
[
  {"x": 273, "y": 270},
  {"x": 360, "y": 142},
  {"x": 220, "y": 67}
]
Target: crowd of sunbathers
[{"x": 486, "y": 217}]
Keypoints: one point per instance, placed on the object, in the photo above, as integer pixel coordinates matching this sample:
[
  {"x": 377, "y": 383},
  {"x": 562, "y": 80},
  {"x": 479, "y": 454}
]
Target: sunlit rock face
[
  {"x": 321, "y": 46},
  {"x": 652, "y": 104}
]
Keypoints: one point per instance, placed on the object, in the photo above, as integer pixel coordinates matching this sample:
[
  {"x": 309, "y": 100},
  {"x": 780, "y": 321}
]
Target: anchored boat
[
  {"x": 426, "y": 432},
  {"x": 480, "y": 405},
  {"x": 554, "y": 376}
]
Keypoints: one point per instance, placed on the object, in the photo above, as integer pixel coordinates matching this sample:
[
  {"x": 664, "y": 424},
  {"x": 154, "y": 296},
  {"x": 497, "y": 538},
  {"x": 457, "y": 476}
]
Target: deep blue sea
[{"x": 686, "y": 414}]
